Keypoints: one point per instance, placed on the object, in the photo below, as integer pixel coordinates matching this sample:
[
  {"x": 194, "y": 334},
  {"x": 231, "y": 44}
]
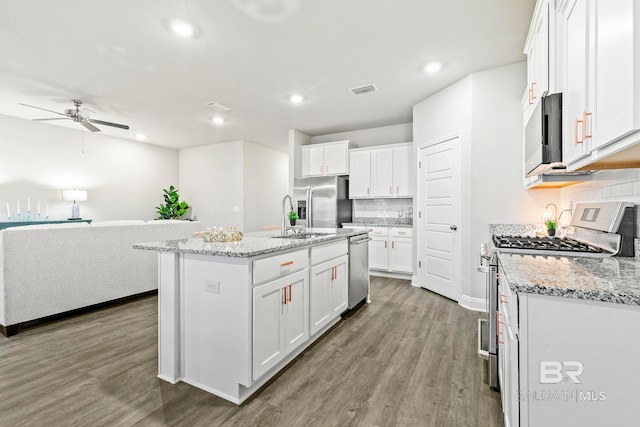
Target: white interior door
[{"x": 439, "y": 218}]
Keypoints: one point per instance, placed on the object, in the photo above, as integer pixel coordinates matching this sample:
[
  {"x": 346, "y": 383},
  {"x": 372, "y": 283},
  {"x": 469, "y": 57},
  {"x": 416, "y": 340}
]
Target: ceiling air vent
[
  {"x": 218, "y": 106},
  {"x": 363, "y": 89}
]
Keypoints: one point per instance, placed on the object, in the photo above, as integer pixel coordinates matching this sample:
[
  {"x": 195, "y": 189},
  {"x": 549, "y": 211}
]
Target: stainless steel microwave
[{"x": 543, "y": 136}]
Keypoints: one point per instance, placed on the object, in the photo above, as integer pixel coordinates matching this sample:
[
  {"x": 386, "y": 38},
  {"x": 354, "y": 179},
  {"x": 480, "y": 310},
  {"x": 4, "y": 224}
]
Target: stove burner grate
[{"x": 543, "y": 244}]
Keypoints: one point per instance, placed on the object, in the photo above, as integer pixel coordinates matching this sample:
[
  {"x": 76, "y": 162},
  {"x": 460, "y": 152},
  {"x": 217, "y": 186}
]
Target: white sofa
[{"x": 55, "y": 268}]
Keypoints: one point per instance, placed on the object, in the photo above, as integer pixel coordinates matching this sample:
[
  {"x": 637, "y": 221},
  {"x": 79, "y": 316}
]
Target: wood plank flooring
[{"x": 407, "y": 359}]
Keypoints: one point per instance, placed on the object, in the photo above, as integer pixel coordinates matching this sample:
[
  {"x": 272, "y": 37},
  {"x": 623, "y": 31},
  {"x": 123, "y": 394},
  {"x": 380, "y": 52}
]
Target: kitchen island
[
  {"x": 233, "y": 314},
  {"x": 568, "y": 333}
]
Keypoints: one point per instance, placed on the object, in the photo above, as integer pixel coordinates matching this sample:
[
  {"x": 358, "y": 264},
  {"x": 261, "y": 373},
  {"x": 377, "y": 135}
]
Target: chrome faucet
[{"x": 284, "y": 213}]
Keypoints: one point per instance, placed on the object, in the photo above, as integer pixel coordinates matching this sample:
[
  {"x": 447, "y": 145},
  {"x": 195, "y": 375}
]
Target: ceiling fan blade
[
  {"x": 115, "y": 125},
  {"x": 44, "y": 109},
  {"x": 89, "y": 126},
  {"x": 54, "y": 118}
]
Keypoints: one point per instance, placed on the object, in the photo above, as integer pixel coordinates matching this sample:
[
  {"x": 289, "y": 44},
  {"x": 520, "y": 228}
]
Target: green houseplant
[
  {"x": 173, "y": 208},
  {"x": 551, "y": 227},
  {"x": 293, "y": 216}
]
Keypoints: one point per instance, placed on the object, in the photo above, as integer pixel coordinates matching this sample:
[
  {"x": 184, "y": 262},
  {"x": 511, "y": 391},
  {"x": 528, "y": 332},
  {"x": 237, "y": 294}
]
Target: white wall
[
  {"x": 296, "y": 140},
  {"x": 237, "y": 183},
  {"x": 124, "y": 179},
  {"x": 211, "y": 180},
  {"x": 485, "y": 109},
  {"x": 393, "y": 134},
  {"x": 266, "y": 173}
]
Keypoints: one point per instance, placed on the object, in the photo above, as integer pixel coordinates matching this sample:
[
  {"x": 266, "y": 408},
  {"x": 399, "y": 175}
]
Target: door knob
[{"x": 453, "y": 227}]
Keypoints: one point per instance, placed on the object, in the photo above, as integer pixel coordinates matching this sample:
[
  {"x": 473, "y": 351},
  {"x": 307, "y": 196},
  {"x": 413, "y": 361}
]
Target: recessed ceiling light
[
  {"x": 296, "y": 98},
  {"x": 433, "y": 67},
  {"x": 218, "y": 120},
  {"x": 141, "y": 137},
  {"x": 182, "y": 28}
]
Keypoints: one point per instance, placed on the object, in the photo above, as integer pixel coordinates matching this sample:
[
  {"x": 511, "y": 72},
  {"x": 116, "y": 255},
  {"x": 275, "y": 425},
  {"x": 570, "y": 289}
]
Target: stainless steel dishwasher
[{"x": 358, "y": 269}]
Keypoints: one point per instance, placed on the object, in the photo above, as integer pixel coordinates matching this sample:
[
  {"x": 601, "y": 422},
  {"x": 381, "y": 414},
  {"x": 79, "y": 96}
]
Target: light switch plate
[{"x": 236, "y": 208}]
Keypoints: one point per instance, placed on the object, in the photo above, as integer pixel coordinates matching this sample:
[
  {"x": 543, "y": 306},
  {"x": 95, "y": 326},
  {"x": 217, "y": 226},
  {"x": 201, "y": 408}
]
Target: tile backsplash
[
  {"x": 621, "y": 185},
  {"x": 383, "y": 208}
]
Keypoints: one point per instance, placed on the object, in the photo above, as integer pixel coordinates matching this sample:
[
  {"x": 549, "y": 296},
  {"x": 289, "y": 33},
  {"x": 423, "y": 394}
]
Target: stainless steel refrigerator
[{"x": 322, "y": 202}]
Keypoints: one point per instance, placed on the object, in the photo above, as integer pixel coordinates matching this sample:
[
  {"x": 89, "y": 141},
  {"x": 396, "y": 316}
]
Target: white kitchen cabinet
[
  {"x": 382, "y": 173},
  {"x": 575, "y": 100},
  {"x": 331, "y": 158},
  {"x": 601, "y": 100},
  {"x": 359, "y": 174},
  {"x": 402, "y": 162},
  {"x": 280, "y": 320},
  {"x": 328, "y": 292},
  {"x": 508, "y": 358},
  {"x": 401, "y": 251},
  {"x": 387, "y": 175},
  {"x": 390, "y": 250},
  {"x": 379, "y": 252},
  {"x": 537, "y": 51}
]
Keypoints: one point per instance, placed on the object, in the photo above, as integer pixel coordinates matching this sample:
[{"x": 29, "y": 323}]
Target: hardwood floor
[{"x": 407, "y": 359}]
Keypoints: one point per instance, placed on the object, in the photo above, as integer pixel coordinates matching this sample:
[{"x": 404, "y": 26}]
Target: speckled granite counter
[
  {"x": 252, "y": 244},
  {"x": 611, "y": 279}
]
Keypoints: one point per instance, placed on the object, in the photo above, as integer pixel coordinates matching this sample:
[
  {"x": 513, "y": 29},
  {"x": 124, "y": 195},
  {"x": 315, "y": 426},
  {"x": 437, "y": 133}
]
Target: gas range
[
  {"x": 596, "y": 230},
  {"x": 546, "y": 244}
]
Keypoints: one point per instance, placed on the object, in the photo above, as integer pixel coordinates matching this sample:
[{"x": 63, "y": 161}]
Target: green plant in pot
[
  {"x": 173, "y": 208},
  {"x": 293, "y": 216},
  {"x": 551, "y": 227}
]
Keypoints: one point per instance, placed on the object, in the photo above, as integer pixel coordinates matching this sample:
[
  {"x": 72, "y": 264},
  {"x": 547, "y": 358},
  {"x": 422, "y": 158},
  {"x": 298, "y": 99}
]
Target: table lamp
[{"x": 74, "y": 196}]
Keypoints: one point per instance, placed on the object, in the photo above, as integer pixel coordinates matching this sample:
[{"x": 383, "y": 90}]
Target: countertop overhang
[
  {"x": 608, "y": 279},
  {"x": 251, "y": 245}
]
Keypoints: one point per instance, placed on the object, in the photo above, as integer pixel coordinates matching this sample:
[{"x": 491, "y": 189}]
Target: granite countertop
[
  {"x": 252, "y": 244},
  {"x": 610, "y": 279}
]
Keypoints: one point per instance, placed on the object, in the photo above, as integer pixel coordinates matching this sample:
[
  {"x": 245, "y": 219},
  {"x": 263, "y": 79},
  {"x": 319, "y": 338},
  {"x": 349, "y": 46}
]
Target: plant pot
[
  {"x": 551, "y": 231},
  {"x": 292, "y": 222}
]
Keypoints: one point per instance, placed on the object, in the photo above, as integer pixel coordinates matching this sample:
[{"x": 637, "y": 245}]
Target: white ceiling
[{"x": 119, "y": 57}]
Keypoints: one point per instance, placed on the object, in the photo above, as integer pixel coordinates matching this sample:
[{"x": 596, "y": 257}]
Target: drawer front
[
  {"x": 379, "y": 231},
  {"x": 329, "y": 251},
  {"x": 401, "y": 232},
  {"x": 279, "y": 265}
]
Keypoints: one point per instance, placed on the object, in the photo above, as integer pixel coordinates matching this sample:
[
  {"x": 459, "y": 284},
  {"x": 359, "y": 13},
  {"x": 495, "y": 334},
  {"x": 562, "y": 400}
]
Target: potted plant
[
  {"x": 293, "y": 216},
  {"x": 173, "y": 208},
  {"x": 551, "y": 227}
]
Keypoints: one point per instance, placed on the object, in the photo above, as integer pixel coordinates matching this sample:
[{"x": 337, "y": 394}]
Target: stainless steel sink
[{"x": 303, "y": 236}]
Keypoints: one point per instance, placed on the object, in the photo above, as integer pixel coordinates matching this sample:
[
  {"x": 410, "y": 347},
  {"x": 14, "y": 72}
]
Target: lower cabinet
[
  {"x": 328, "y": 292},
  {"x": 390, "y": 249},
  {"x": 280, "y": 320},
  {"x": 508, "y": 360}
]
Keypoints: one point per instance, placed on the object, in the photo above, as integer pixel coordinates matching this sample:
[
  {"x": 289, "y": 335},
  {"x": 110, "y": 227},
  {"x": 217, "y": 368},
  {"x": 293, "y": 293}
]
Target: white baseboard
[
  {"x": 414, "y": 282},
  {"x": 405, "y": 276},
  {"x": 474, "y": 304}
]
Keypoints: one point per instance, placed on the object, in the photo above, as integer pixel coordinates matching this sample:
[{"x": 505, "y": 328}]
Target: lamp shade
[{"x": 74, "y": 195}]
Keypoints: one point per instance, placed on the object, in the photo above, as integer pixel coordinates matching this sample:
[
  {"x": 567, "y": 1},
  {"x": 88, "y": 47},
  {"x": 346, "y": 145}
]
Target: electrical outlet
[
  {"x": 236, "y": 208},
  {"x": 212, "y": 286}
]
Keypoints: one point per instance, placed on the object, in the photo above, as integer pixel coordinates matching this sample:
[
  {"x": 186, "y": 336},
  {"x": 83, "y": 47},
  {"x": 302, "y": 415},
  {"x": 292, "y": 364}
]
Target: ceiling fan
[{"x": 71, "y": 114}]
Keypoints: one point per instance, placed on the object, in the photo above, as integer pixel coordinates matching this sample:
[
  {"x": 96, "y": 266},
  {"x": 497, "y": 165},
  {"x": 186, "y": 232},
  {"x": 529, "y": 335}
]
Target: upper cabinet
[
  {"x": 381, "y": 172},
  {"x": 537, "y": 51},
  {"x": 331, "y": 158},
  {"x": 602, "y": 84}
]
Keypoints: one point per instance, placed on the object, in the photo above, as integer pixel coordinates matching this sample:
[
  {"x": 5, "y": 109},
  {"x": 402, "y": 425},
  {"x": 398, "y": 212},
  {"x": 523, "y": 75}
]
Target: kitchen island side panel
[{"x": 216, "y": 313}]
